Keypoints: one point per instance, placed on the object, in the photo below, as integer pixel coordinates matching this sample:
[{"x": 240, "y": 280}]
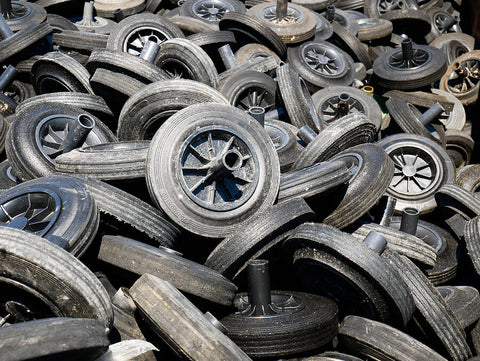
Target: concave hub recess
[
  {"x": 211, "y": 10},
  {"x": 323, "y": 59}
]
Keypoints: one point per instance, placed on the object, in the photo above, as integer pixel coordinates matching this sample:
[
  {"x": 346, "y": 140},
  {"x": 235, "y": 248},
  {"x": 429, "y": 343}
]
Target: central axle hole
[{"x": 232, "y": 160}]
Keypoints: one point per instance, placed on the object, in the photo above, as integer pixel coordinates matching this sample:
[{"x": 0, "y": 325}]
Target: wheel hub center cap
[
  {"x": 322, "y": 59},
  {"x": 409, "y": 170},
  {"x": 213, "y": 11}
]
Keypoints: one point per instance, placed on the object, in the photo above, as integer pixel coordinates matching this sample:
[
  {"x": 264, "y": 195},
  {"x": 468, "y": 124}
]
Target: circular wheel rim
[
  {"x": 269, "y": 14},
  {"x": 51, "y": 132},
  {"x": 217, "y": 168},
  {"x": 440, "y": 20},
  {"x": 323, "y": 59},
  {"x": 420, "y": 58},
  {"x": 254, "y": 96},
  {"x": 34, "y": 212},
  {"x": 417, "y": 174},
  {"x": 137, "y": 38},
  {"x": 385, "y": 6},
  {"x": 33, "y": 304},
  {"x": 19, "y": 11},
  {"x": 465, "y": 77},
  {"x": 330, "y": 111},
  {"x": 279, "y": 136},
  {"x": 281, "y": 304},
  {"x": 211, "y": 10}
]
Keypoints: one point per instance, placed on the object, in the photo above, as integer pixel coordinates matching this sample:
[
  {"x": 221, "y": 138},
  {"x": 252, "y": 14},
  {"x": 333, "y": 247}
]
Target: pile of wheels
[{"x": 227, "y": 180}]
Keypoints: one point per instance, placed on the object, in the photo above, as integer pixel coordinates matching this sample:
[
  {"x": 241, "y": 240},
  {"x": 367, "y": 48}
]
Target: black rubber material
[
  {"x": 257, "y": 173},
  {"x": 61, "y": 338},
  {"x": 68, "y": 217},
  {"x": 147, "y": 109},
  {"x": 437, "y": 318},
  {"x": 261, "y": 233},
  {"x": 459, "y": 200},
  {"x": 187, "y": 276},
  {"x": 133, "y": 211},
  {"x": 464, "y": 302},
  {"x": 469, "y": 178},
  {"x": 290, "y": 332},
  {"x": 80, "y": 40},
  {"x": 286, "y": 142},
  {"x": 180, "y": 324},
  {"x": 346, "y": 40},
  {"x": 343, "y": 260},
  {"x": 26, "y": 156},
  {"x": 373, "y": 339},
  {"x": 108, "y": 161},
  {"x": 7, "y": 177},
  {"x": 54, "y": 274}
]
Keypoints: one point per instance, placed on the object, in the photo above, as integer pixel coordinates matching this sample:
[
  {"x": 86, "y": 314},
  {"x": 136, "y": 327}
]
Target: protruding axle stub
[
  {"x": 6, "y": 8},
  {"x": 226, "y": 54},
  {"x": 7, "y": 77},
  {"x": 407, "y": 49},
  {"x": 306, "y": 134},
  {"x": 258, "y": 113},
  {"x": 88, "y": 13},
  {"x": 376, "y": 241},
  {"x": 150, "y": 51},
  {"x": 5, "y": 31},
  {"x": 79, "y": 133},
  {"x": 281, "y": 9},
  {"x": 409, "y": 221},
  {"x": 388, "y": 212},
  {"x": 449, "y": 23},
  {"x": 216, "y": 323},
  {"x": 432, "y": 113},
  {"x": 259, "y": 287},
  {"x": 330, "y": 12},
  {"x": 118, "y": 15},
  {"x": 343, "y": 104}
]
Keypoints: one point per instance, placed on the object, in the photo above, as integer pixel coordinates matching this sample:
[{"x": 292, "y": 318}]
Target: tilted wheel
[
  {"x": 375, "y": 8},
  {"x": 211, "y": 11},
  {"x": 211, "y": 167}
]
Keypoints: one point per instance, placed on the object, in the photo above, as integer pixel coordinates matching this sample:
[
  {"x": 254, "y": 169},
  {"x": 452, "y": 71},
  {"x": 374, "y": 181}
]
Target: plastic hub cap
[
  {"x": 323, "y": 59},
  {"x": 217, "y": 169},
  {"x": 211, "y": 10}
]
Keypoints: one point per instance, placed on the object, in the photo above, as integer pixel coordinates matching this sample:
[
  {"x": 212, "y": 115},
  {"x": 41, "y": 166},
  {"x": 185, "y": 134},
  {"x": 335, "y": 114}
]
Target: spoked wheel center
[
  {"x": 385, "y": 6},
  {"x": 14, "y": 11},
  {"x": 340, "y": 105},
  {"x": 254, "y": 96},
  {"x": 34, "y": 212},
  {"x": 211, "y": 10},
  {"x": 269, "y": 14},
  {"x": 465, "y": 76},
  {"x": 218, "y": 169},
  {"x": 282, "y": 303},
  {"x": 323, "y": 59},
  {"x": 419, "y": 58},
  {"x": 136, "y": 39}
]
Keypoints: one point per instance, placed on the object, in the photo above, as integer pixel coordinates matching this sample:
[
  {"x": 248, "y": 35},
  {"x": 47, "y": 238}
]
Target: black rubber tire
[
  {"x": 376, "y": 340},
  {"x": 190, "y": 277},
  {"x": 23, "y": 39},
  {"x": 429, "y": 71},
  {"x": 188, "y": 8},
  {"x": 192, "y": 26},
  {"x": 61, "y": 338},
  {"x": 60, "y": 23},
  {"x": 79, "y": 40},
  {"x": 23, "y": 15},
  {"x": 267, "y": 64},
  {"x": 469, "y": 178},
  {"x": 251, "y": 51},
  {"x": 296, "y": 99},
  {"x": 128, "y": 26},
  {"x": 347, "y": 41},
  {"x": 4, "y": 125},
  {"x": 459, "y": 146},
  {"x": 211, "y": 42},
  {"x": 57, "y": 72},
  {"x": 303, "y": 59},
  {"x": 340, "y": 256},
  {"x": 167, "y": 154},
  {"x": 249, "y": 88},
  {"x": 413, "y": 23},
  {"x": 181, "y": 58},
  {"x": 459, "y": 200},
  {"x": 438, "y": 18},
  {"x": 313, "y": 180},
  {"x": 180, "y": 324},
  {"x": 346, "y": 132},
  {"x": 315, "y": 5},
  {"x": 472, "y": 237},
  {"x": 7, "y": 178},
  {"x": 261, "y": 233},
  {"x": 126, "y": 64},
  {"x": 132, "y": 349},
  {"x": 71, "y": 215},
  {"x": 299, "y": 27},
  {"x": 464, "y": 302},
  {"x": 27, "y": 157},
  {"x": 91, "y": 103},
  {"x": 54, "y": 275},
  {"x": 373, "y": 29},
  {"x": 326, "y": 103},
  {"x": 454, "y": 119},
  {"x": 464, "y": 86},
  {"x": 250, "y": 30},
  {"x": 130, "y": 210},
  {"x": 435, "y": 312},
  {"x": 106, "y": 8},
  {"x": 108, "y": 161},
  {"x": 284, "y": 333},
  {"x": 454, "y": 45},
  {"x": 145, "y": 111},
  {"x": 440, "y": 170},
  {"x": 19, "y": 91},
  {"x": 402, "y": 243}
]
